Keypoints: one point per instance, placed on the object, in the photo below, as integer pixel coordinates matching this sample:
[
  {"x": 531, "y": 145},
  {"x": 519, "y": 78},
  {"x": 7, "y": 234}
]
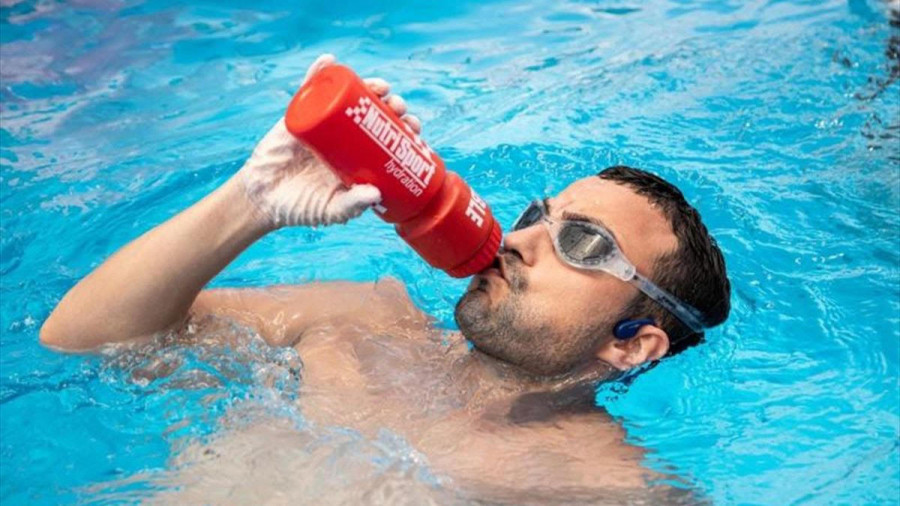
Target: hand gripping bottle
[{"x": 362, "y": 139}]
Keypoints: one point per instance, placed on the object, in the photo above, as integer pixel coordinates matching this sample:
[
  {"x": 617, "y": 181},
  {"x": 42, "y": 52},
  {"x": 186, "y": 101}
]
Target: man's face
[{"x": 545, "y": 316}]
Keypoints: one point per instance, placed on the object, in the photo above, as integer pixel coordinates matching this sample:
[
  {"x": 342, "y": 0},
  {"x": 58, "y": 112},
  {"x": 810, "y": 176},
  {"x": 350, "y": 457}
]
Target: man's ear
[{"x": 649, "y": 344}]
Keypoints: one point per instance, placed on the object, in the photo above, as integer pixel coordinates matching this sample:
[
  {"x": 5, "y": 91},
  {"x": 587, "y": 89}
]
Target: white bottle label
[{"x": 476, "y": 210}]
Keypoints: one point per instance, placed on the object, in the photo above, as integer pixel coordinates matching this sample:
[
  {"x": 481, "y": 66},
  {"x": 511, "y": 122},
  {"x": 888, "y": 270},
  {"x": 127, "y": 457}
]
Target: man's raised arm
[{"x": 150, "y": 284}]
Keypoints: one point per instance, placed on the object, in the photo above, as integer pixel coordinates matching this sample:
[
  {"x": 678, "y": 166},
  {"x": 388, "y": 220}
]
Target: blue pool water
[{"x": 779, "y": 120}]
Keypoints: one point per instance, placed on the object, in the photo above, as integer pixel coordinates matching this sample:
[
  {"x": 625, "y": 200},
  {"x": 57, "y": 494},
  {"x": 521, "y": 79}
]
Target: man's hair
[{"x": 694, "y": 272}]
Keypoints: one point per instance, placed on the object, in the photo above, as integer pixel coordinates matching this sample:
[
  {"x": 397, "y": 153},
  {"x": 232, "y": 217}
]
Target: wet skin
[
  {"x": 507, "y": 418},
  {"x": 482, "y": 424},
  {"x": 562, "y": 316},
  {"x": 373, "y": 360}
]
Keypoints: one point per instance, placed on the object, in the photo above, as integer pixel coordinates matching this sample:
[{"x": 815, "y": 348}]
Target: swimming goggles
[{"x": 591, "y": 246}]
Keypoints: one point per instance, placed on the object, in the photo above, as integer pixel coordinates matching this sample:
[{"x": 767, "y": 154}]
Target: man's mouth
[{"x": 498, "y": 267}]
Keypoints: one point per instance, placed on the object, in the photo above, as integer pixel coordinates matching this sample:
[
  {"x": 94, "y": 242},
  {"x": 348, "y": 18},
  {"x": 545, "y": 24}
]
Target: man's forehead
[{"x": 640, "y": 227}]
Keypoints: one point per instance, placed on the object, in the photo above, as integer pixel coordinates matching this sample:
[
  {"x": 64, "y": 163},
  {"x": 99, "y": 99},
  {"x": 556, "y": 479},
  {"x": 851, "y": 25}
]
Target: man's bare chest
[
  {"x": 428, "y": 396},
  {"x": 375, "y": 379}
]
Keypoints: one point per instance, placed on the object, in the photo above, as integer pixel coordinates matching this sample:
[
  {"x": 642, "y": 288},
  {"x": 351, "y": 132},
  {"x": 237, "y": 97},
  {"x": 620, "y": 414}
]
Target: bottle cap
[{"x": 483, "y": 258}]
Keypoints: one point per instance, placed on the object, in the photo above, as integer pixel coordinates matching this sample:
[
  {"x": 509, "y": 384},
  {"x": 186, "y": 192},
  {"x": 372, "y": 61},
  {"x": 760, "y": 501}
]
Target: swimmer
[{"x": 510, "y": 417}]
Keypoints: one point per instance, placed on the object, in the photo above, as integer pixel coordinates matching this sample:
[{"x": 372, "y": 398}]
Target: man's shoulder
[
  {"x": 382, "y": 306},
  {"x": 386, "y": 302},
  {"x": 285, "y": 313}
]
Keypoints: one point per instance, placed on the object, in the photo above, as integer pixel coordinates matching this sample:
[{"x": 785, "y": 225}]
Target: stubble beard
[
  {"x": 511, "y": 333},
  {"x": 507, "y": 332}
]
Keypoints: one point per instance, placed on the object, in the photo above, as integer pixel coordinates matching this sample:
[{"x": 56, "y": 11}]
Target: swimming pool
[{"x": 777, "y": 118}]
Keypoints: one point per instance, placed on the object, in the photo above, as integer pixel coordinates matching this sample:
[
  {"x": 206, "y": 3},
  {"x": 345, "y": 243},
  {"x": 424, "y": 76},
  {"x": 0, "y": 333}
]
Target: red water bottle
[{"x": 362, "y": 139}]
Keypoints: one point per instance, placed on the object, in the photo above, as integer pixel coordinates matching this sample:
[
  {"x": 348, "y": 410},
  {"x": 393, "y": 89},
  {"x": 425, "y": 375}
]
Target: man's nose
[{"x": 528, "y": 242}]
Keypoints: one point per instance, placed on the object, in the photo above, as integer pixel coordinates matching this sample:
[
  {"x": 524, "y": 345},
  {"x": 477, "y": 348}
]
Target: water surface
[{"x": 778, "y": 119}]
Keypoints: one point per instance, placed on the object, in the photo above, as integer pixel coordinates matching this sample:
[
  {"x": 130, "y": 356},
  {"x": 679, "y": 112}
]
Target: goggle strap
[{"x": 687, "y": 314}]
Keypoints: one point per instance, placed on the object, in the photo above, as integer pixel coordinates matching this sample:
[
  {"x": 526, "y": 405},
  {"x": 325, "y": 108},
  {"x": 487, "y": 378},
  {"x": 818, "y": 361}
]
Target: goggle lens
[
  {"x": 580, "y": 243},
  {"x": 533, "y": 214},
  {"x": 583, "y": 244},
  {"x": 590, "y": 246}
]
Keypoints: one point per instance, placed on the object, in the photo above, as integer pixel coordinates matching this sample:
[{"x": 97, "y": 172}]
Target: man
[{"x": 560, "y": 309}]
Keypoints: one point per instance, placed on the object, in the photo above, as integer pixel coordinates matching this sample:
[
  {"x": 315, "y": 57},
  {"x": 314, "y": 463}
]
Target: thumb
[
  {"x": 321, "y": 62},
  {"x": 352, "y": 202}
]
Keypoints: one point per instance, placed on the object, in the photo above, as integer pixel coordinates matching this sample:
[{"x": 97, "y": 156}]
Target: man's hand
[
  {"x": 149, "y": 285},
  {"x": 289, "y": 185}
]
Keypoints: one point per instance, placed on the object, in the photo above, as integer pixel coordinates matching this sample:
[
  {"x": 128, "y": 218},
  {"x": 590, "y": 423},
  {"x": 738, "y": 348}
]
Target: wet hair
[{"x": 694, "y": 272}]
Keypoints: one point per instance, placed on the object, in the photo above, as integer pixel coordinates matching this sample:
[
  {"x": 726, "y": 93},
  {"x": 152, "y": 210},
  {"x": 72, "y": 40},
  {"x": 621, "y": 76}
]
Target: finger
[
  {"x": 321, "y": 62},
  {"x": 397, "y": 104},
  {"x": 413, "y": 123},
  {"x": 378, "y": 86},
  {"x": 352, "y": 203}
]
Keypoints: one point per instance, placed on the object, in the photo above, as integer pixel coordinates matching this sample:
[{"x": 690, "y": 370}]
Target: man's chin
[
  {"x": 473, "y": 311},
  {"x": 474, "y": 297}
]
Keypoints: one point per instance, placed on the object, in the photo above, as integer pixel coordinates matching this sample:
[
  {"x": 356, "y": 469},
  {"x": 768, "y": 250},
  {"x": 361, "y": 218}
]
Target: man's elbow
[
  {"x": 52, "y": 336},
  {"x": 49, "y": 335}
]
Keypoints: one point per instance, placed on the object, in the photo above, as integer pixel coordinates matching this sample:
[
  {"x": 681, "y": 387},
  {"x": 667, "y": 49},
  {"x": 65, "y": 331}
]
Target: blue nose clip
[{"x": 626, "y": 329}]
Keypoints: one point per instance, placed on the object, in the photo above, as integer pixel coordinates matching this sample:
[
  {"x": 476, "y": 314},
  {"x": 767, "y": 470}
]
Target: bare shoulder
[
  {"x": 584, "y": 450},
  {"x": 397, "y": 307},
  {"x": 379, "y": 305},
  {"x": 573, "y": 458},
  {"x": 284, "y": 313},
  {"x": 589, "y": 452}
]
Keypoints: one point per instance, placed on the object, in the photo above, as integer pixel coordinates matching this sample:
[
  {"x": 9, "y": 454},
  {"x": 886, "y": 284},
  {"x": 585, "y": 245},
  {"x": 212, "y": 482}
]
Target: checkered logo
[{"x": 360, "y": 110}]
